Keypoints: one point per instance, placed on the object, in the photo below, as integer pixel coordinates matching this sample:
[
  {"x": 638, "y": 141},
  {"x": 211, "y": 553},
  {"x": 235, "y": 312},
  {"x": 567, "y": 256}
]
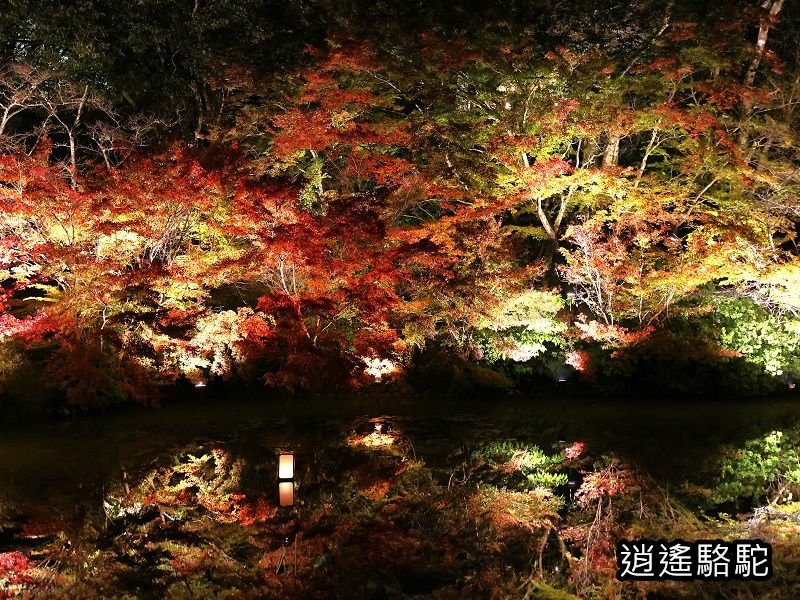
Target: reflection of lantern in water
[
  {"x": 285, "y": 493},
  {"x": 285, "y": 479},
  {"x": 572, "y": 485}
]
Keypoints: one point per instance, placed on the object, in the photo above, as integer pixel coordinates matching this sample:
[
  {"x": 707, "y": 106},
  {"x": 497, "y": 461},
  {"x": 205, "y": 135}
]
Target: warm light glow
[
  {"x": 285, "y": 466},
  {"x": 286, "y": 493},
  {"x": 377, "y": 367},
  {"x": 375, "y": 439}
]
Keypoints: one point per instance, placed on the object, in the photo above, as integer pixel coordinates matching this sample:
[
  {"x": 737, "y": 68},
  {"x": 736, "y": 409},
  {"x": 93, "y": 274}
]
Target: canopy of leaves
[{"x": 284, "y": 192}]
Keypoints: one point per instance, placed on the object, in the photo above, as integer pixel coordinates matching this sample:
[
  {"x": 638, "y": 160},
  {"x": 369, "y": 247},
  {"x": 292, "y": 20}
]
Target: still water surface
[{"x": 63, "y": 463}]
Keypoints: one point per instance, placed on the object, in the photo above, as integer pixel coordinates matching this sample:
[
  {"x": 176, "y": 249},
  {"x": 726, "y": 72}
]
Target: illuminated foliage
[
  {"x": 758, "y": 336},
  {"x": 518, "y": 466},
  {"x": 517, "y": 199},
  {"x": 768, "y": 467}
]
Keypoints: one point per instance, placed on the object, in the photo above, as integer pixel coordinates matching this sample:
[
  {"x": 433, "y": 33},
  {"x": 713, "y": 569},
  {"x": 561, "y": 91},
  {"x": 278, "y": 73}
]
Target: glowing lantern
[
  {"x": 285, "y": 479},
  {"x": 286, "y": 466}
]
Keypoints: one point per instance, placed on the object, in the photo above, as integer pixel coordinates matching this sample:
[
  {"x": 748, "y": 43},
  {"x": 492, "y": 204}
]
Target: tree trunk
[
  {"x": 590, "y": 149},
  {"x": 611, "y": 152},
  {"x": 72, "y": 133},
  {"x": 6, "y": 118},
  {"x": 774, "y": 7},
  {"x": 652, "y": 145}
]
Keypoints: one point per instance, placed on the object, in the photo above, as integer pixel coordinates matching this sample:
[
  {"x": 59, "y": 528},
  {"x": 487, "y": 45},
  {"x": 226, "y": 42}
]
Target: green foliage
[
  {"x": 764, "y": 339},
  {"x": 312, "y": 194},
  {"x": 528, "y": 456},
  {"x": 541, "y": 479},
  {"x": 519, "y": 465},
  {"x": 764, "y": 468},
  {"x": 522, "y": 327}
]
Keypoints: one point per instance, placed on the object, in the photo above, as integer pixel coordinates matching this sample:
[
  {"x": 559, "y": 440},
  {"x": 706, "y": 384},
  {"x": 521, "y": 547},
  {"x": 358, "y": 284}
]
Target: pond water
[
  {"x": 61, "y": 462},
  {"x": 66, "y": 472}
]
